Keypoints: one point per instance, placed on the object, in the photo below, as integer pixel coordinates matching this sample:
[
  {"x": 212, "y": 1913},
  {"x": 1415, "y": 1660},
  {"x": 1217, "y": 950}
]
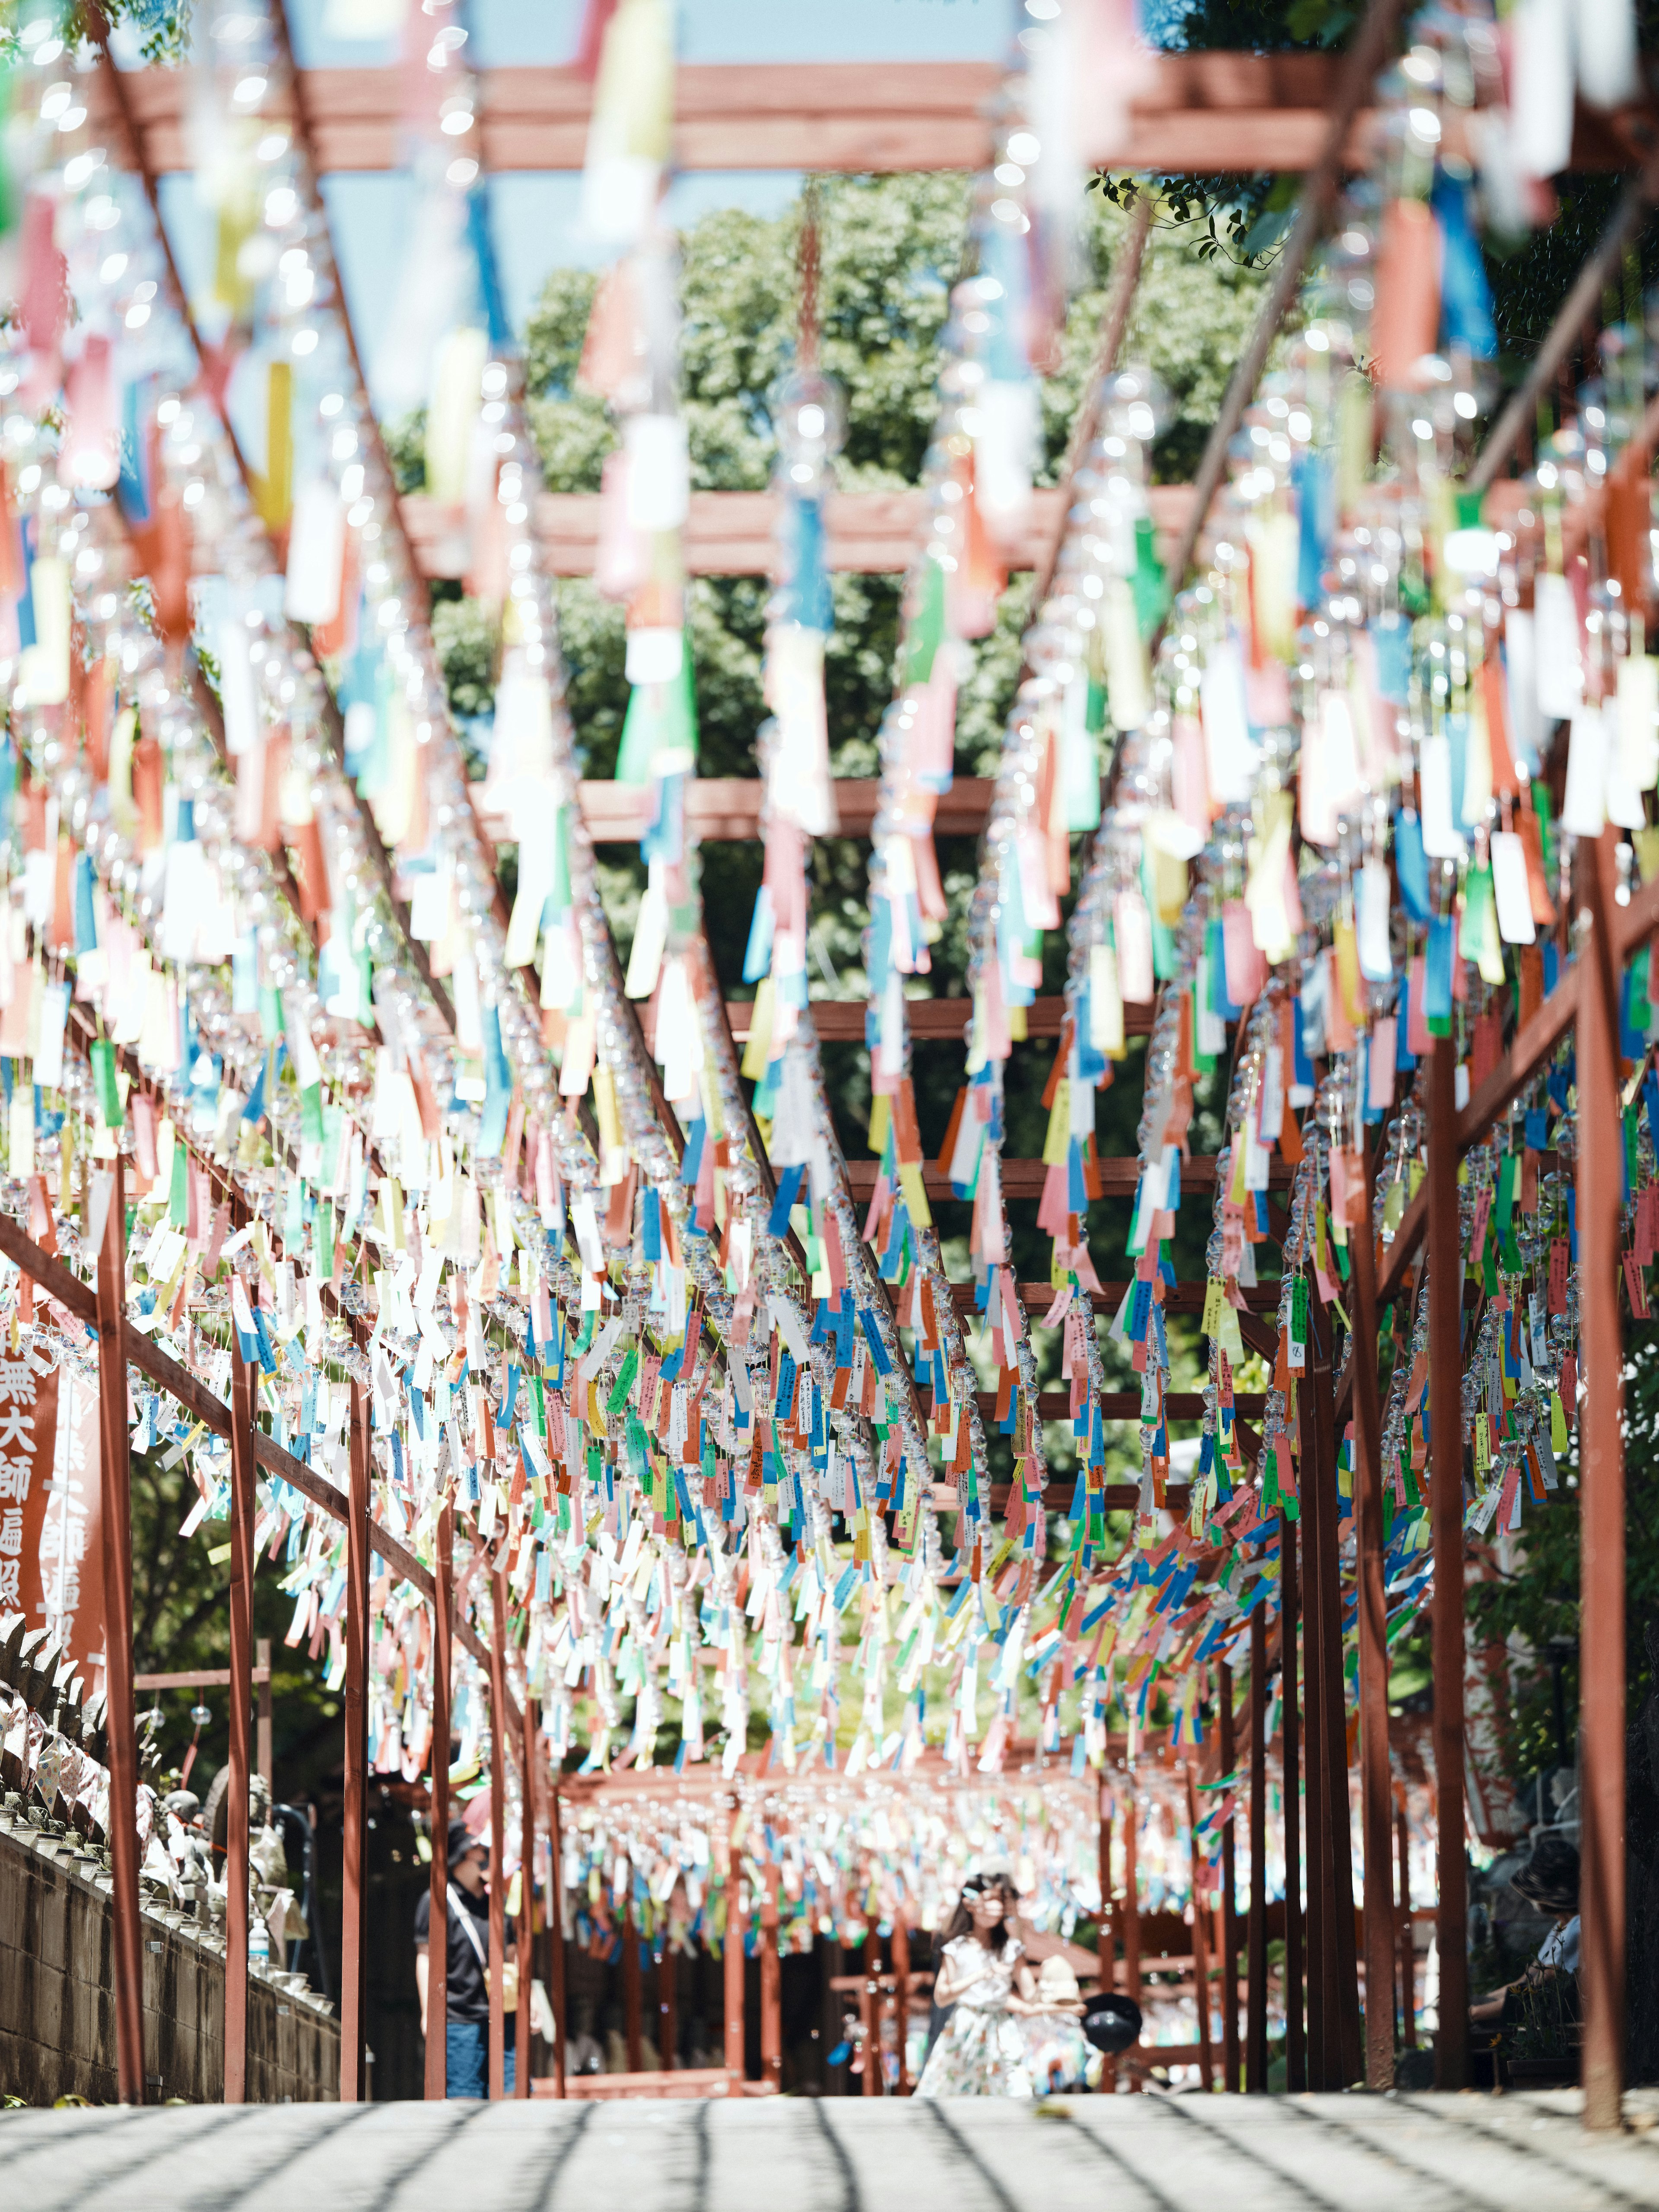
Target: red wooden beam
[
  {"x": 354, "y": 1875},
  {"x": 203, "y": 1678},
  {"x": 1125, "y": 1405},
  {"x": 840, "y": 1021},
  {"x": 1200, "y": 113},
  {"x": 1024, "y": 1179},
  {"x": 734, "y": 533},
  {"x": 435, "y": 2085},
  {"x": 242, "y": 1561},
  {"x": 1601, "y": 1597},
  {"x": 115, "y": 1485},
  {"x": 727, "y": 809},
  {"x": 1185, "y": 1298},
  {"x": 1446, "y": 1508}
]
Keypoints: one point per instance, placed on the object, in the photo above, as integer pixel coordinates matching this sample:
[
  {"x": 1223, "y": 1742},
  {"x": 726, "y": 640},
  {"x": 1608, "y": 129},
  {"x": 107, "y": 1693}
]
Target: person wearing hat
[
  {"x": 1061, "y": 2056},
  {"x": 1548, "y": 1881},
  {"x": 467, "y": 2028}
]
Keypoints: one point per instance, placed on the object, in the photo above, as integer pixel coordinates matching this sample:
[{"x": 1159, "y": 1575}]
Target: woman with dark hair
[{"x": 980, "y": 2050}]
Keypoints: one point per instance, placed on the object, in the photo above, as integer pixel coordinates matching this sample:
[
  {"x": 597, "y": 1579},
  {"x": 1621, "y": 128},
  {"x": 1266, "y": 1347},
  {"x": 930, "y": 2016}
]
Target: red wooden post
[
  {"x": 498, "y": 1832},
  {"x": 1110, "y": 1914},
  {"x": 1344, "y": 2059},
  {"x": 1315, "y": 1749},
  {"x": 242, "y": 1698},
  {"x": 1407, "y": 1942},
  {"x": 771, "y": 2015},
  {"x": 901, "y": 1999},
  {"x": 115, "y": 1485},
  {"x": 667, "y": 2020},
  {"x": 527, "y": 1898},
  {"x": 1313, "y": 1651},
  {"x": 437, "y": 1955},
  {"x": 556, "y": 1927},
  {"x": 1290, "y": 1727},
  {"x": 264, "y": 1755},
  {"x": 1446, "y": 1515},
  {"x": 1599, "y": 1185},
  {"x": 1111, "y": 1930},
  {"x": 732, "y": 1955},
  {"x": 870, "y": 2081},
  {"x": 354, "y": 1897},
  {"x": 1255, "y": 2024},
  {"x": 1201, "y": 1944},
  {"x": 630, "y": 1971},
  {"x": 1132, "y": 1903},
  {"x": 1376, "y": 1788},
  {"x": 1229, "y": 1896}
]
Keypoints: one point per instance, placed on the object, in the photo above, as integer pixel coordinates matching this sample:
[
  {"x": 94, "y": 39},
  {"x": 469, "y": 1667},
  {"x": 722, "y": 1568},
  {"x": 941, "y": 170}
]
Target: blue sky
[
  {"x": 523, "y": 30},
  {"x": 534, "y": 215}
]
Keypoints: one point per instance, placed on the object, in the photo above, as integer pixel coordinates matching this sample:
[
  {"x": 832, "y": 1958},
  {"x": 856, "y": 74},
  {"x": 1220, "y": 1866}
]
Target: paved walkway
[{"x": 1151, "y": 2154}]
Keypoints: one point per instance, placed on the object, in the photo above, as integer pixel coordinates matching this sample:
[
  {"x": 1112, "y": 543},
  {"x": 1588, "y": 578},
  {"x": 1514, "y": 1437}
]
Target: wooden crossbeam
[
  {"x": 840, "y": 1021},
  {"x": 1200, "y": 113},
  {"x": 1024, "y": 1179},
  {"x": 1058, "y": 1497},
  {"x": 1185, "y": 1298},
  {"x": 1125, "y": 1405},
  {"x": 204, "y": 1678},
  {"x": 727, "y": 809},
  {"x": 734, "y": 533},
  {"x": 57, "y": 1281}
]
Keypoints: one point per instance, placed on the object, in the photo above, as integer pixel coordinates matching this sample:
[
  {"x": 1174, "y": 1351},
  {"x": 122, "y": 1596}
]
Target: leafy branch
[{"x": 1243, "y": 221}]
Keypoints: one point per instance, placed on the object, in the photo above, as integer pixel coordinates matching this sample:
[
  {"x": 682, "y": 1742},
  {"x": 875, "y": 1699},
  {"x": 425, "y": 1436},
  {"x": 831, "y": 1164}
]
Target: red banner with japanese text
[{"x": 50, "y": 1516}]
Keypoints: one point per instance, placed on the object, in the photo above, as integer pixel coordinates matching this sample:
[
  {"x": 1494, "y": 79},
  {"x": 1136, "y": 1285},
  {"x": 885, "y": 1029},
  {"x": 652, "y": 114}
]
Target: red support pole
[
  {"x": 667, "y": 2018},
  {"x": 1106, "y": 1944},
  {"x": 632, "y": 2033},
  {"x": 555, "y": 1926},
  {"x": 498, "y": 1832},
  {"x": 1407, "y": 1944},
  {"x": 1451, "y": 2056},
  {"x": 1343, "y": 2058},
  {"x": 901, "y": 1999},
  {"x": 870, "y": 2081},
  {"x": 1316, "y": 1801},
  {"x": 1599, "y": 1186},
  {"x": 1256, "y": 1982},
  {"x": 265, "y": 1757},
  {"x": 1377, "y": 1787},
  {"x": 115, "y": 1485},
  {"x": 242, "y": 1482},
  {"x": 1111, "y": 1931},
  {"x": 526, "y": 1901},
  {"x": 354, "y": 1899},
  {"x": 1201, "y": 1945},
  {"x": 731, "y": 1955},
  {"x": 1229, "y": 1896},
  {"x": 437, "y": 1963},
  {"x": 1131, "y": 1904},
  {"x": 771, "y": 1990},
  {"x": 1290, "y": 1730}
]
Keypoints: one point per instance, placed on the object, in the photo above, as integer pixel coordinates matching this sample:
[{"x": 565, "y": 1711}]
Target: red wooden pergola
[{"x": 1213, "y": 112}]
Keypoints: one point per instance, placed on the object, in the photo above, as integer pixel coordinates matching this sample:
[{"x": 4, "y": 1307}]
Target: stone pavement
[{"x": 1151, "y": 2153}]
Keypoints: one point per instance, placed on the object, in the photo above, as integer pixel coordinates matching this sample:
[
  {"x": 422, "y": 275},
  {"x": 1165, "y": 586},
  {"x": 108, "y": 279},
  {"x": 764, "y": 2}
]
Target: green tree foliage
[
  {"x": 890, "y": 248},
  {"x": 1537, "y": 1601},
  {"x": 180, "y": 1624}
]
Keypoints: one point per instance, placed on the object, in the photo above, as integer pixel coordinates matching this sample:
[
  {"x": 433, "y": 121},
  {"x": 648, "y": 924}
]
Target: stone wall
[{"x": 57, "y": 2006}]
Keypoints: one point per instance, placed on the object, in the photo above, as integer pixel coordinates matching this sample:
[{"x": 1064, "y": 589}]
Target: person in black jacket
[{"x": 467, "y": 2029}]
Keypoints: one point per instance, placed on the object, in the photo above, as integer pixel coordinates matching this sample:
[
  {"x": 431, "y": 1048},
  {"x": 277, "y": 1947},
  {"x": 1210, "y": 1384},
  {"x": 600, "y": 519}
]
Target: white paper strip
[{"x": 1509, "y": 883}]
